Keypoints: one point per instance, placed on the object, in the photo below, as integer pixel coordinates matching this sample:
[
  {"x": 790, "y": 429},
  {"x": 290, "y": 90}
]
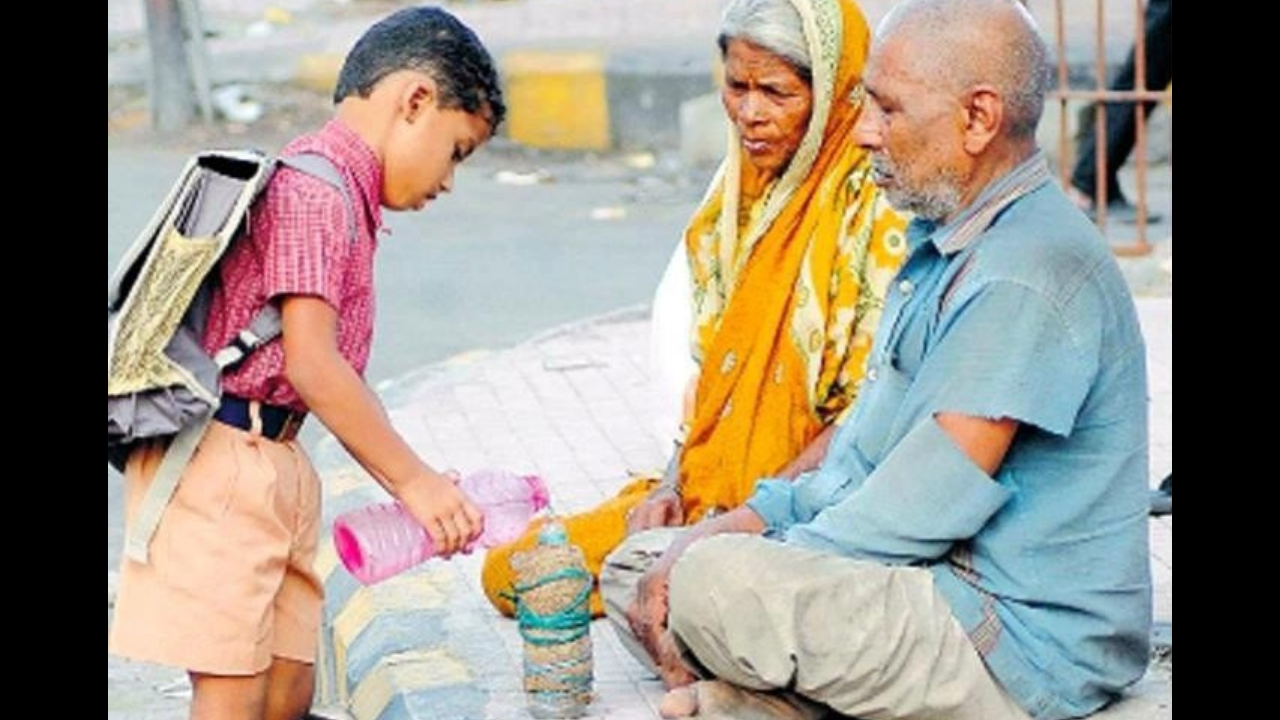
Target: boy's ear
[{"x": 419, "y": 95}]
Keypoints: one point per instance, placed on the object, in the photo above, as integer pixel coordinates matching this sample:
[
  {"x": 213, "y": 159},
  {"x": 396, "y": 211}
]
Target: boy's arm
[{"x": 333, "y": 390}]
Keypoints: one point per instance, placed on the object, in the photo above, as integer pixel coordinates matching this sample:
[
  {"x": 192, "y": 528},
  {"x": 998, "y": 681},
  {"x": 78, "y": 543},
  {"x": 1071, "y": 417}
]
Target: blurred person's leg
[{"x": 1121, "y": 123}]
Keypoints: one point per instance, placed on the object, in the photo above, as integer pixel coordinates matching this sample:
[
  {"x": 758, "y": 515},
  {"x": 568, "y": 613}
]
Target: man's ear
[
  {"x": 419, "y": 95},
  {"x": 984, "y": 111}
]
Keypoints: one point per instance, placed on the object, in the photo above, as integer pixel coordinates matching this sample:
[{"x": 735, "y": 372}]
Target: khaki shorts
[{"x": 230, "y": 582}]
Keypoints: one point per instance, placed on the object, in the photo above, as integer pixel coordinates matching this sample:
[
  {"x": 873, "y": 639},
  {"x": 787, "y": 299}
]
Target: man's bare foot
[
  {"x": 671, "y": 667},
  {"x": 679, "y": 703},
  {"x": 719, "y": 700}
]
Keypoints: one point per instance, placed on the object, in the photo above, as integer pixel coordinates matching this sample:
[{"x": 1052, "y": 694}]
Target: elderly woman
[{"x": 787, "y": 261}]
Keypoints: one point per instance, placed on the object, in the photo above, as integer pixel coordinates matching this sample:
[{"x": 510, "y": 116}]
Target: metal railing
[{"x": 1102, "y": 95}]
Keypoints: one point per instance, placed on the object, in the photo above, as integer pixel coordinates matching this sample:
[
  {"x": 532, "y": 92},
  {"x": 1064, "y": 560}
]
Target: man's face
[{"x": 914, "y": 132}]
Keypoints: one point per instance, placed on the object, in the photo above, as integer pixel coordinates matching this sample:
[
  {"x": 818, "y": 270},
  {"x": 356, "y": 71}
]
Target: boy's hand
[
  {"x": 338, "y": 396},
  {"x": 449, "y": 517}
]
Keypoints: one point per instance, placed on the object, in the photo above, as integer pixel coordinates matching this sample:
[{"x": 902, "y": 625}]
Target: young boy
[{"x": 229, "y": 593}]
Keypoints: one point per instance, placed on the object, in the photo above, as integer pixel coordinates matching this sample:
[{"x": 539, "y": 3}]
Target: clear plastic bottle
[{"x": 379, "y": 541}]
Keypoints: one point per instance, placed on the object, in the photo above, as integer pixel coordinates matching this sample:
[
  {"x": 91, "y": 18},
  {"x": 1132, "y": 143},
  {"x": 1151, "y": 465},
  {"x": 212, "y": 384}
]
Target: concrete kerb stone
[{"x": 561, "y": 99}]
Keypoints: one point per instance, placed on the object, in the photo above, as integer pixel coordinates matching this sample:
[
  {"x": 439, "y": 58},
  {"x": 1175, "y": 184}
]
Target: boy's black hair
[{"x": 429, "y": 40}]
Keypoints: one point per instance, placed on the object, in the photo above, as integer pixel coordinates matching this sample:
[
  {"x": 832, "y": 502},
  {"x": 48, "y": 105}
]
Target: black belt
[{"x": 278, "y": 423}]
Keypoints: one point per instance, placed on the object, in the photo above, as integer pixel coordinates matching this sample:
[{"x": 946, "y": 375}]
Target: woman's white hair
[{"x": 774, "y": 25}]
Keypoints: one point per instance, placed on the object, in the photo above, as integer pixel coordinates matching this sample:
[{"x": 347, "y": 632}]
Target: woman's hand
[{"x": 663, "y": 508}]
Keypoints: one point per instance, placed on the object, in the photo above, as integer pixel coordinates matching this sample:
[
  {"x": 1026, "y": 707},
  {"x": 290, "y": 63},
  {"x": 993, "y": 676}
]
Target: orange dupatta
[{"x": 784, "y": 307}]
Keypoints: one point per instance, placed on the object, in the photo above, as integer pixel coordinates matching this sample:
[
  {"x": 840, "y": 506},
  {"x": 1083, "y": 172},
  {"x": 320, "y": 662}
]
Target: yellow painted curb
[
  {"x": 403, "y": 593},
  {"x": 557, "y": 100},
  {"x": 318, "y": 72}
]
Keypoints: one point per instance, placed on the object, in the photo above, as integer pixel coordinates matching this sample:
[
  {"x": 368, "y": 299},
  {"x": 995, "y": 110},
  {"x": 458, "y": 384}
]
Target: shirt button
[
  {"x": 872, "y": 374},
  {"x": 906, "y": 287}
]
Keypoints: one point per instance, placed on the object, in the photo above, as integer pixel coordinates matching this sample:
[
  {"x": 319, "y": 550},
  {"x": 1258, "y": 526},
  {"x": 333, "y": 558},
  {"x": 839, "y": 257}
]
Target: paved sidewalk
[{"x": 573, "y": 405}]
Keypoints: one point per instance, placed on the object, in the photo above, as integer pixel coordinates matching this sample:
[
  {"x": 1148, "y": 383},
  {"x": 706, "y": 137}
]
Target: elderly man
[{"x": 974, "y": 545}]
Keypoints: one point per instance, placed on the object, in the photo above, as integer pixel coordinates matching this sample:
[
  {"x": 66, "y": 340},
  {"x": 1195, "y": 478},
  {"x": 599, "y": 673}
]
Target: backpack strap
[
  {"x": 322, "y": 168},
  {"x": 267, "y": 324},
  {"x": 177, "y": 457},
  {"x": 265, "y": 327}
]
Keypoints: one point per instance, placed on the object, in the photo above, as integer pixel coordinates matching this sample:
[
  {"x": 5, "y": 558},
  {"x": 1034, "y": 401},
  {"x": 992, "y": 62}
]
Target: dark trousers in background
[{"x": 1121, "y": 123}]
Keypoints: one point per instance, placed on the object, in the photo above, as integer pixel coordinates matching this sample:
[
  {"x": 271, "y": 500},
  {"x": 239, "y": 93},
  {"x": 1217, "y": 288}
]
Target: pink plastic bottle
[{"x": 379, "y": 541}]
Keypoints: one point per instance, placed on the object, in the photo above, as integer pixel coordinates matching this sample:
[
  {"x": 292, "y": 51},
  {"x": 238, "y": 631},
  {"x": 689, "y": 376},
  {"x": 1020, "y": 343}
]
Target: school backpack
[{"x": 161, "y": 384}]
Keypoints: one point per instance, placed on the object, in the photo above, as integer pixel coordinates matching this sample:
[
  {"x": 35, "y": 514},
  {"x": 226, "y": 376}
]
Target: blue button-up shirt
[{"x": 1015, "y": 310}]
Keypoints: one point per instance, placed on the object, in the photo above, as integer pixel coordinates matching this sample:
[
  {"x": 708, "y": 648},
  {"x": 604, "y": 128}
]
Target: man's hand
[
  {"x": 648, "y": 613},
  {"x": 663, "y": 508}
]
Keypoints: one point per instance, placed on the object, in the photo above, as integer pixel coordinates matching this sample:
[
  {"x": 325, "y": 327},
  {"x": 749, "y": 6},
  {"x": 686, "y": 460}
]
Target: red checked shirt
[{"x": 300, "y": 244}]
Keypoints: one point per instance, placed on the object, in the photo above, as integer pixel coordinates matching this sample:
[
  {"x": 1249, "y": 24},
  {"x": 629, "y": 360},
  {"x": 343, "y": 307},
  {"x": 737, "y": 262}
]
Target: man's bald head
[{"x": 956, "y": 45}]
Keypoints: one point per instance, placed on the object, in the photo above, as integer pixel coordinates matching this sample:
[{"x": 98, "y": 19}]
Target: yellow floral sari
[{"x": 784, "y": 307}]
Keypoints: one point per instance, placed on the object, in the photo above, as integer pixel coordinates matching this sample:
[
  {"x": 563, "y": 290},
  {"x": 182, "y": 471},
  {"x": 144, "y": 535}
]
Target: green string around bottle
[
  {"x": 552, "y": 592},
  {"x": 562, "y": 626}
]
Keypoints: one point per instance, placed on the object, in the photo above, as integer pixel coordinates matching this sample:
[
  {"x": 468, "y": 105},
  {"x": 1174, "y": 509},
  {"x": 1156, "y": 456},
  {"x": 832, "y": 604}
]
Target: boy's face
[{"x": 425, "y": 146}]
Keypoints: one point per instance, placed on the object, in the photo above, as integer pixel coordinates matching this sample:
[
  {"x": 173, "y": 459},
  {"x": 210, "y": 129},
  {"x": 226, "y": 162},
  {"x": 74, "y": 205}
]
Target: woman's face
[{"x": 768, "y": 101}]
